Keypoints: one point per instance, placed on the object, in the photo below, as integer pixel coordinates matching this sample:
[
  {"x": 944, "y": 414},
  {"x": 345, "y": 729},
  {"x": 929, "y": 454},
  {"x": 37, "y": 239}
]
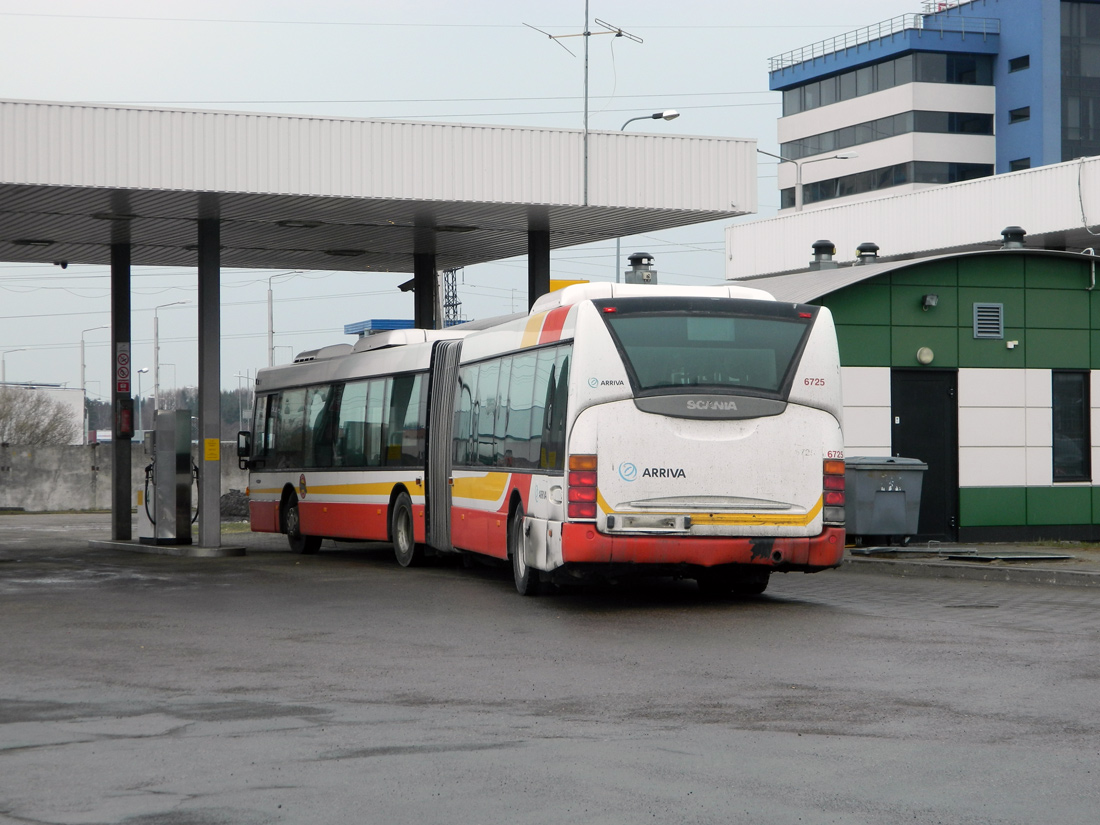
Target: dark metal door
[{"x": 925, "y": 417}]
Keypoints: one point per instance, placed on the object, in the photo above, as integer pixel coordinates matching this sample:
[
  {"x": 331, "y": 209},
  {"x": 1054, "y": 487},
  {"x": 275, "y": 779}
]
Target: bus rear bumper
[{"x": 583, "y": 543}]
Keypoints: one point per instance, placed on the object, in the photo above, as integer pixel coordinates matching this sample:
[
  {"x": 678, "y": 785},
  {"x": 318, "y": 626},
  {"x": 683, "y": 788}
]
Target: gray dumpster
[{"x": 882, "y": 495}]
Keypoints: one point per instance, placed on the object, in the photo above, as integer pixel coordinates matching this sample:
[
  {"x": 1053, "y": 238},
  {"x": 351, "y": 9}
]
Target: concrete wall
[{"x": 79, "y": 478}]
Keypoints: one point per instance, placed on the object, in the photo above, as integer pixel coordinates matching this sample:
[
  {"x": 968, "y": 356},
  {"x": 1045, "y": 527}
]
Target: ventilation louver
[{"x": 989, "y": 320}]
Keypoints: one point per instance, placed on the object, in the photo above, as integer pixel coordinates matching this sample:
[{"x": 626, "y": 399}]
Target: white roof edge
[{"x": 1055, "y": 204}]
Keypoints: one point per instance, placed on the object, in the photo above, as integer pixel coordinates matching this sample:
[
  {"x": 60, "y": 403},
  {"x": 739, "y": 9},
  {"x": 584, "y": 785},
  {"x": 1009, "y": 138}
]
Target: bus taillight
[
  {"x": 582, "y": 486},
  {"x": 833, "y": 486}
]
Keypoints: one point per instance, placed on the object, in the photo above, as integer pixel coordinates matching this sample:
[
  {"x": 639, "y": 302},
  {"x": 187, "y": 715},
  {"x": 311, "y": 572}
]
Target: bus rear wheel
[
  {"x": 527, "y": 578},
  {"x": 292, "y": 524},
  {"x": 405, "y": 548}
]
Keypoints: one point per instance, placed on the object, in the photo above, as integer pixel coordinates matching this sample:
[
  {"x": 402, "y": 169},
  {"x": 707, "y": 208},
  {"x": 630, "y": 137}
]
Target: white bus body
[{"x": 614, "y": 429}]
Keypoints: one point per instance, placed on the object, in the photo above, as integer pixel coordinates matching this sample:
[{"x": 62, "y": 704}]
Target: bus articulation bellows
[{"x": 688, "y": 431}]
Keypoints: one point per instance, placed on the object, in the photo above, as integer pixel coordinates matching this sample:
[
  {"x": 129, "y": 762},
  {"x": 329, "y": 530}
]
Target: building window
[
  {"x": 1018, "y": 164},
  {"x": 1019, "y": 115},
  {"x": 1018, "y": 64},
  {"x": 926, "y": 67},
  {"x": 947, "y": 123},
  {"x": 918, "y": 171},
  {"x": 1070, "y": 426},
  {"x": 1080, "y": 66}
]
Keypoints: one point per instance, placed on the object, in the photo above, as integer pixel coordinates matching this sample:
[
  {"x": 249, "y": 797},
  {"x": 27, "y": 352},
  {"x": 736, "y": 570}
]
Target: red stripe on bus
[
  {"x": 367, "y": 522},
  {"x": 264, "y": 516},
  {"x": 551, "y": 327},
  {"x": 583, "y": 543}
]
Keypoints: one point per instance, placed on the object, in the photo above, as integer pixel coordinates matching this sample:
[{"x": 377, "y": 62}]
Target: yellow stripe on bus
[
  {"x": 727, "y": 519},
  {"x": 532, "y": 331},
  {"x": 489, "y": 487},
  {"x": 378, "y": 488}
]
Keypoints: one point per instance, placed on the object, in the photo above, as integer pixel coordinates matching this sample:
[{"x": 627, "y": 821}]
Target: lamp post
[
  {"x": 4, "y": 363},
  {"x": 271, "y": 315},
  {"x": 140, "y": 372},
  {"x": 156, "y": 353},
  {"x": 83, "y": 384},
  {"x": 798, "y": 170},
  {"x": 670, "y": 114}
]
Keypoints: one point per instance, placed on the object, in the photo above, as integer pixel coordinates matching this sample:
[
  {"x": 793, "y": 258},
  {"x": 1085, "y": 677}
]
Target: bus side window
[
  {"x": 485, "y": 412},
  {"x": 462, "y": 432},
  {"x": 518, "y": 438},
  {"x": 375, "y": 431},
  {"x": 501, "y": 456},
  {"x": 405, "y": 423},
  {"x": 351, "y": 427},
  {"x": 262, "y": 436},
  {"x": 554, "y": 438},
  {"x": 318, "y": 440},
  {"x": 290, "y": 429}
]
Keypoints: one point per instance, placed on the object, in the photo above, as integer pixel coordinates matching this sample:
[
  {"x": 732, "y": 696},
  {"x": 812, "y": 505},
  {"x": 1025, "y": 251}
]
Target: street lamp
[
  {"x": 4, "y": 364},
  {"x": 271, "y": 316},
  {"x": 669, "y": 114},
  {"x": 156, "y": 353},
  {"x": 798, "y": 170},
  {"x": 83, "y": 385},
  {"x": 139, "y": 374}
]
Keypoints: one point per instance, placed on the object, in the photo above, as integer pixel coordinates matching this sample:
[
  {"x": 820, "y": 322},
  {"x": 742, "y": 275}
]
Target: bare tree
[{"x": 32, "y": 418}]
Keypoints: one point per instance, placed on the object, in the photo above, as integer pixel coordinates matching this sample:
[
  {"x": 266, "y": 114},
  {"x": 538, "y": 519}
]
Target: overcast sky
[{"x": 471, "y": 62}]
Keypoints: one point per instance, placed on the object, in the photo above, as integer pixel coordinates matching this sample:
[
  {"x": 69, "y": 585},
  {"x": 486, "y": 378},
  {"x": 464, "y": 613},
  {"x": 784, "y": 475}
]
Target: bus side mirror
[{"x": 244, "y": 448}]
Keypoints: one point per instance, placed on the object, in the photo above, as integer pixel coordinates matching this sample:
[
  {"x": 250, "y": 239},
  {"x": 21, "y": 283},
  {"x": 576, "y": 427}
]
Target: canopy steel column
[
  {"x": 424, "y": 289},
  {"x": 538, "y": 264},
  {"x": 121, "y": 367},
  {"x": 209, "y": 411}
]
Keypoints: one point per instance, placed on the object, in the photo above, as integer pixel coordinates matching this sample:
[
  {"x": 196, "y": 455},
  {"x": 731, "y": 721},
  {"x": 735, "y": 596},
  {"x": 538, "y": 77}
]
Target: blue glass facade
[{"x": 1046, "y": 65}]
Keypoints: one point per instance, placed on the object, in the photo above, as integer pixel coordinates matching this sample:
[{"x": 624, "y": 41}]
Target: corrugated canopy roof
[{"x": 328, "y": 193}]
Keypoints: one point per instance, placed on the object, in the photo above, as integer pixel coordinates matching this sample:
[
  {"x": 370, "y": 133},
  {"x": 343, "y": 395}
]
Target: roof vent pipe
[
  {"x": 641, "y": 269},
  {"x": 1013, "y": 237},
  {"x": 867, "y": 253},
  {"x": 823, "y": 255}
]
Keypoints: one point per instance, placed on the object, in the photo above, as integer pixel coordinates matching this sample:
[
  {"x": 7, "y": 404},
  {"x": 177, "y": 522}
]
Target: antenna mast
[{"x": 615, "y": 30}]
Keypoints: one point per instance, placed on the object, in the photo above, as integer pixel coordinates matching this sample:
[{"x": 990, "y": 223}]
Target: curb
[
  {"x": 969, "y": 571},
  {"x": 189, "y": 550}
]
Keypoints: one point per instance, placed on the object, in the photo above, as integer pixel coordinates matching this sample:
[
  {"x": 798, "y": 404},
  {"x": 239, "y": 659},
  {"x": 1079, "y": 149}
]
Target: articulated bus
[{"x": 616, "y": 429}]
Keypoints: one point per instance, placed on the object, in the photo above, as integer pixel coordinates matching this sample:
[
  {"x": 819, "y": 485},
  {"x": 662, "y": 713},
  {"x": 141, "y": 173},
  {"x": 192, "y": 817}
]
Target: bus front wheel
[
  {"x": 527, "y": 578},
  {"x": 405, "y": 548},
  {"x": 306, "y": 545}
]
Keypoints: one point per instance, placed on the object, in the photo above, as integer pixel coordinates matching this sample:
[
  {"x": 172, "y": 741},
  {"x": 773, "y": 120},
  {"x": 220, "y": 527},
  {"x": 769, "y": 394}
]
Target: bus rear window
[{"x": 687, "y": 349}]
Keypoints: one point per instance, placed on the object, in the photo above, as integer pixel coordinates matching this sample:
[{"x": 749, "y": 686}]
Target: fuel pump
[{"x": 165, "y": 514}]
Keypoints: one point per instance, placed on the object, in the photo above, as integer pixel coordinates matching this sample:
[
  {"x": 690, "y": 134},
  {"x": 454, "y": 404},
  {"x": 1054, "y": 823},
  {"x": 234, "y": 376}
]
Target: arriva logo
[
  {"x": 663, "y": 472},
  {"x": 628, "y": 472},
  {"x": 596, "y": 382},
  {"x": 706, "y": 404}
]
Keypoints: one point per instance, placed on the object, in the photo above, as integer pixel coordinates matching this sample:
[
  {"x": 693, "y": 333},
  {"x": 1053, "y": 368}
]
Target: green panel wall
[
  {"x": 1057, "y": 349},
  {"x": 1047, "y": 306},
  {"x": 862, "y": 304},
  {"x": 993, "y": 353},
  {"x": 905, "y": 341},
  {"x": 934, "y": 273},
  {"x": 992, "y": 271},
  {"x": 992, "y": 506},
  {"x": 864, "y": 346},
  {"x": 1057, "y": 309},
  {"x": 907, "y": 306},
  {"x": 1055, "y": 273},
  {"x": 1059, "y": 505},
  {"x": 1013, "y": 300}
]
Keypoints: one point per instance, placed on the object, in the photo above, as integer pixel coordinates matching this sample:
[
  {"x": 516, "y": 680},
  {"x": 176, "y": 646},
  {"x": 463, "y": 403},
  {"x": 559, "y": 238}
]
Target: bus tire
[
  {"x": 527, "y": 578},
  {"x": 405, "y": 548},
  {"x": 306, "y": 545}
]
